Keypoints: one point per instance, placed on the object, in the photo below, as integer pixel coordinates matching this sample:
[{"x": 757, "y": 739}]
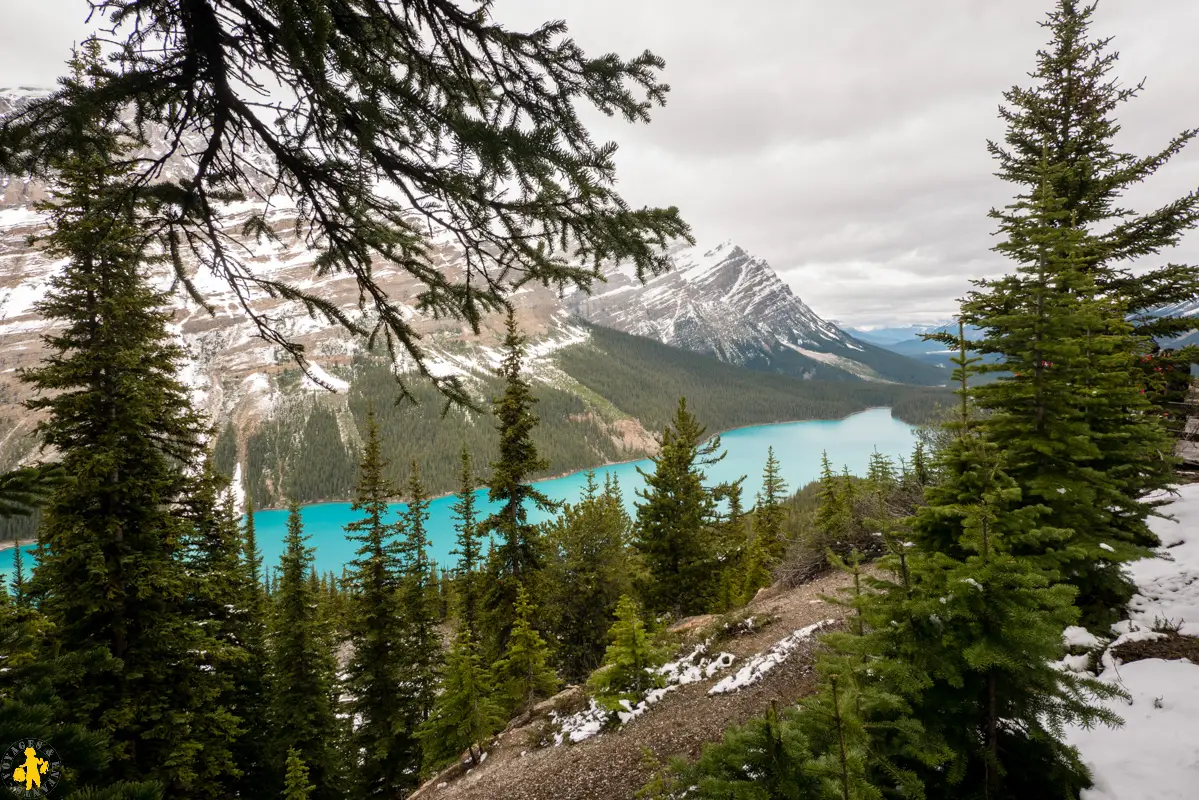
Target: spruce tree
[
  {"x": 1067, "y": 118},
  {"x": 110, "y": 577},
  {"x": 769, "y": 511},
  {"x": 295, "y": 782},
  {"x": 672, "y": 533},
  {"x": 523, "y": 675},
  {"x": 20, "y": 594},
  {"x": 31, "y": 708},
  {"x": 1077, "y": 434},
  {"x": 421, "y": 654},
  {"x": 768, "y": 758},
  {"x": 253, "y": 685},
  {"x": 217, "y": 603},
  {"x": 588, "y": 569},
  {"x": 303, "y": 671},
  {"x": 755, "y": 572},
  {"x": 465, "y": 714},
  {"x": 833, "y": 519},
  {"x": 630, "y": 660},
  {"x": 997, "y": 699},
  {"x": 730, "y": 537},
  {"x": 381, "y": 740},
  {"x": 979, "y": 626},
  {"x": 466, "y": 574},
  {"x": 518, "y": 543}
]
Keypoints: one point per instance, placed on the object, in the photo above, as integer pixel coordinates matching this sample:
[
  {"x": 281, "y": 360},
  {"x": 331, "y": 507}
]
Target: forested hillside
[{"x": 604, "y": 403}]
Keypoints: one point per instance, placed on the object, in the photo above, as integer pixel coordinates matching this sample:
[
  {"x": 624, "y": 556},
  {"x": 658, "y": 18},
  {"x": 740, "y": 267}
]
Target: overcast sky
[{"x": 845, "y": 142}]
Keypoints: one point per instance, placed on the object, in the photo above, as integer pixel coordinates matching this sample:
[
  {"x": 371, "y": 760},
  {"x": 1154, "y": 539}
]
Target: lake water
[{"x": 797, "y": 446}]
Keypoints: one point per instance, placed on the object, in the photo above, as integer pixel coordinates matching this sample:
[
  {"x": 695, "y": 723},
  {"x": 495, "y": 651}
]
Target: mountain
[
  {"x": 885, "y": 336},
  {"x": 720, "y": 315},
  {"x": 906, "y": 341},
  {"x": 731, "y": 304}
]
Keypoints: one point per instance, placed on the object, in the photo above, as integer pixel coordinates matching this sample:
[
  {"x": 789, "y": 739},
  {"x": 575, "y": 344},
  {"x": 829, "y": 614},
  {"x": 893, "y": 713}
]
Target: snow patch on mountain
[
  {"x": 331, "y": 381},
  {"x": 723, "y": 301},
  {"x": 841, "y": 362}
]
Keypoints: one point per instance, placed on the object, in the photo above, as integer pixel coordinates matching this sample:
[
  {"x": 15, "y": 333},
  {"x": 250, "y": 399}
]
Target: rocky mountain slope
[
  {"x": 727, "y": 302},
  {"x": 720, "y": 301}
]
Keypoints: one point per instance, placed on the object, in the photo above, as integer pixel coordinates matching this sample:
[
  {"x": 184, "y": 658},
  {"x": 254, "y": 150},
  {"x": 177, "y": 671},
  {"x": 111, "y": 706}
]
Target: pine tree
[
  {"x": 767, "y": 759},
  {"x": 920, "y": 469},
  {"x": 217, "y": 603},
  {"x": 31, "y": 708},
  {"x": 730, "y": 537},
  {"x": 1067, "y": 120},
  {"x": 385, "y": 751},
  {"x": 629, "y": 661},
  {"x": 466, "y": 575},
  {"x": 518, "y": 549},
  {"x": 842, "y": 765},
  {"x": 1060, "y": 151},
  {"x": 253, "y": 684},
  {"x": 755, "y": 572},
  {"x": 421, "y": 655},
  {"x": 303, "y": 701},
  {"x": 295, "y": 782},
  {"x": 833, "y": 514},
  {"x": 523, "y": 675},
  {"x": 587, "y": 571},
  {"x": 672, "y": 530},
  {"x": 19, "y": 589},
  {"x": 110, "y": 578},
  {"x": 997, "y": 700},
  {"x": 769, "y": 511},
  {"x": 465, "y": 714},
  {"x": 1078, "y": 436}
]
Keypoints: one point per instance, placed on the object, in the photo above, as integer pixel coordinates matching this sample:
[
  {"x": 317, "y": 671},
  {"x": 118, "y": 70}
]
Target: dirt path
[{"x": 612, "y": 766}]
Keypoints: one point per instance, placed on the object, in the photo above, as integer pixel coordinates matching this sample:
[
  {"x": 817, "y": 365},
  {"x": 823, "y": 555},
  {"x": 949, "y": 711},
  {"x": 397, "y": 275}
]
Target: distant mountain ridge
[{"x": 724, "y": 301}]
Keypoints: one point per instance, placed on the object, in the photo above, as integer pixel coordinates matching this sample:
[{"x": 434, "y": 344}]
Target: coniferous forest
[{"x": 163, "y": 658}]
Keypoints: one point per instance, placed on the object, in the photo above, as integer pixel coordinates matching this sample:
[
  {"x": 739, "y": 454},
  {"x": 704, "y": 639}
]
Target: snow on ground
[
  {"x": 1155, "y": 755},
  {"x": 19, "y": 217},
  {"x": 691, "y": 668},
  {"x": 580, "y": 726},
  {"x": 762, "y": 663},
  {"x": 336, "y": 383}
]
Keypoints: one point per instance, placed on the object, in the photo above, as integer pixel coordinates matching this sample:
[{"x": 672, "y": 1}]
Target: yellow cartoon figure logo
[{"x": 30, "y": 768}]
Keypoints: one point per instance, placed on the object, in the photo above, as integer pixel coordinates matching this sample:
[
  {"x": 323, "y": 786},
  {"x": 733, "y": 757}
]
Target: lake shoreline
[
  {"x": 11, "y": 543},
  {"x": 605, "y": 465}
]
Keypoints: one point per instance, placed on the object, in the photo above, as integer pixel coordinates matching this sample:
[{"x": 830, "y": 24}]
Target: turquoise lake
[{"x": 797, "y": 445}]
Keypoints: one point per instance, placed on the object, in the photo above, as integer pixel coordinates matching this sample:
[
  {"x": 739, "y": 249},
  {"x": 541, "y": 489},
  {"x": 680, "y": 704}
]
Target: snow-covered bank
[{"x": 1155, "y": 755}]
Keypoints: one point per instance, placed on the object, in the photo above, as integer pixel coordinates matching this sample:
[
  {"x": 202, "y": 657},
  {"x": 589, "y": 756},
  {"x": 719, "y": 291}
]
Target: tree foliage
[
  {"x": 466, "y": 713},
  {"x": 672, "y": 531},
  {"x": 472, "y": 129},
  {"x": 375, "y": 625},
  {"x": 524, "y": 675},
  {"x": 588, "y": 568},
  {"x": 304, "y": 697}
]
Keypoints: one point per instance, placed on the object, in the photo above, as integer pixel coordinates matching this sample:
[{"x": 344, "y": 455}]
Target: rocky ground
[{"x": 614, "y": 765}]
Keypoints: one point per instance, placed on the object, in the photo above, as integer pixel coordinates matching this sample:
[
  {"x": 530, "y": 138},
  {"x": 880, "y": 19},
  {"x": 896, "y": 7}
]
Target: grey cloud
[{"x": 843, "y": 142}]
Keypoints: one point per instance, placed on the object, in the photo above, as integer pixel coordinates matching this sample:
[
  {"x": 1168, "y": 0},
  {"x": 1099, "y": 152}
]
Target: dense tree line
[{"x": 637, "y": 377}]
